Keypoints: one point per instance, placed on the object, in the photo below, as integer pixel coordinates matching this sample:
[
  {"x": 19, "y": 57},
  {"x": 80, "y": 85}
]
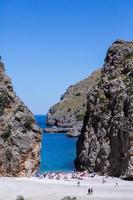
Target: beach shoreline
[{"x": 52, "y": 189}]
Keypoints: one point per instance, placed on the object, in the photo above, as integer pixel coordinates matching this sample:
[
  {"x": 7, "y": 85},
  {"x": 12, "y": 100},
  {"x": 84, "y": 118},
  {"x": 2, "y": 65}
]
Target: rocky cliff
[
  {"x": 106, "y": 142},
  {"x": 20, "y": 137},
  {"x": 70, "y": 111}
]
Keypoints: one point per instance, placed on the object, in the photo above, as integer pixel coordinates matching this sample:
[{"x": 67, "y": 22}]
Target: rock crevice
[
  {"x": 106, "y": 142},
  {"x": 20, "y": 137}
]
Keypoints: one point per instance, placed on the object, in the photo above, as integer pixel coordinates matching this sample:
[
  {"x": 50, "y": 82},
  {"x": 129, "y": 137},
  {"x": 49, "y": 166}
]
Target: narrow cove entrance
[{"x": 58, "y": 151}]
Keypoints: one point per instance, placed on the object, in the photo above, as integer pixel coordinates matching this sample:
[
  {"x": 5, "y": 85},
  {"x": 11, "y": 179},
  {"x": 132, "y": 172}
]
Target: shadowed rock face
[
  {"x": 70, "y": 111},
  {"x": 106, "y": 142},
  {"x": 20, "y": 137}
]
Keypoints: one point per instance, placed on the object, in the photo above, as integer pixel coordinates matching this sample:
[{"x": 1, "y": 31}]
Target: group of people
[
  {"x": 63, "y": 175},
  {"x": 90, "y": 191}
]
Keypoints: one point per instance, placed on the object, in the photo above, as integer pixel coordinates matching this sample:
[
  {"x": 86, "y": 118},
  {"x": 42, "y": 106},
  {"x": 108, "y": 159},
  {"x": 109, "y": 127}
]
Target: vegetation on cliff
[
  {"x": 70, "y": 111},
  {"x": 106, "y": 142},
  {"x": 20, "y": 137}
]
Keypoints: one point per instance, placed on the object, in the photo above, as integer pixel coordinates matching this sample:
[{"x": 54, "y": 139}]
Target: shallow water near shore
[{"x": 58, "y": 151}]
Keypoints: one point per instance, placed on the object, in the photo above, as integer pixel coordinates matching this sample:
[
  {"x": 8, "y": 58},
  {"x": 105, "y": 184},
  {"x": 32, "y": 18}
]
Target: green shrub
[
  {"x": 129, "y": 55},
  {"x": 83, "y": 105},
  {"x": 97, "y": 94},
  {"x": 20, "y": 198},
  {"x": 105, "y": 110},
  {"x": 102, "y": 99},
  {"x": 6, "y": 134},
  {"x": 111, "y": 77},
  {"x": 99, "y": 83},
  {"x": 78, "y": 94},
  {"x": 69, "y": 110},
  {"x": 130, "y": 89},
  {"x": 126, "y": 80},
  {"x": 69, "y": 198},
  {"x": 28, "y": 122},
  {"x": 8, "y": 155},
  {"x": 80, "y": 116},
  {"x": 4, "y": 100}
]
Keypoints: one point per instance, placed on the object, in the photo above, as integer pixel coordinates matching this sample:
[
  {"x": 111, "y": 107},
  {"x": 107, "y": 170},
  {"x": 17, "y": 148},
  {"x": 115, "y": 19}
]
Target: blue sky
[{"x": 48, "y": 45}]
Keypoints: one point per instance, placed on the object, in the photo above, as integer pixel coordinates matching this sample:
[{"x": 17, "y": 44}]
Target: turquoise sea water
[{"x": 58, "y": 151}]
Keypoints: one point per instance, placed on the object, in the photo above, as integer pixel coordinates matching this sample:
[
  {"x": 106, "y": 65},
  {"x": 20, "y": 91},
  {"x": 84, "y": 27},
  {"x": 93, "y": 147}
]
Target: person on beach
[
  {"x": 78, "y": 184},
  {"x": 116, "y": 184},
  {"x": 103, "y": 181},
  {"x": 91, "y": 191}
]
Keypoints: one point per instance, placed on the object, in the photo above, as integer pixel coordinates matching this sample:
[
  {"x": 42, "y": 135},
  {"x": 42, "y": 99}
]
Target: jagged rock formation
[
  {"x": 70, "y": 111},
  {"x": 19, "y": 135},
  {"x": 106, "y": 143}
]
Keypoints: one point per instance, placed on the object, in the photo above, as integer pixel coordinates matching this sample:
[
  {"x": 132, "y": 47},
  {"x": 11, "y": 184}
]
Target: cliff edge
[
  {"x": 106, "y": 142},
  {"x": 20, "y": 137},
  {"x": 70, "y": 111}
]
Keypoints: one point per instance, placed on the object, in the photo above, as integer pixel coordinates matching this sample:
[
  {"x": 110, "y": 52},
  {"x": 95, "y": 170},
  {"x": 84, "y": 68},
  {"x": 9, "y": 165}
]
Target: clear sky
[{"x": 48, "y": 45}]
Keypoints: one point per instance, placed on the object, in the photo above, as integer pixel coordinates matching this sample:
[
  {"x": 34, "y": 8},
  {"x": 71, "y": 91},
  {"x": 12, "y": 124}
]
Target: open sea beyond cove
[{"x": 58, "y": 151}]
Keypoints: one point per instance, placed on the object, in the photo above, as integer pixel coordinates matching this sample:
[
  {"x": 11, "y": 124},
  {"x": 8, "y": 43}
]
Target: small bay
[{"x": 58, "y": 151}]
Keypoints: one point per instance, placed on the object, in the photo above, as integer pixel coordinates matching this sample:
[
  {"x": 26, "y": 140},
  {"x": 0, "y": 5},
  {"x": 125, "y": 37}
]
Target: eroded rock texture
[
  {"x": 19, "y": 135},
  {"x": 106, "y": 143},
  {"x": 70, "y": 111}
]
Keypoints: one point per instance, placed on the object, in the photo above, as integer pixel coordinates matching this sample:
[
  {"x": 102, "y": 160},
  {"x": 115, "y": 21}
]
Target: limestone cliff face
[
  {"x": 20, "y": 137},
  {"x": 70, "y": 111},
  {"x": 106, "y": 142}
]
